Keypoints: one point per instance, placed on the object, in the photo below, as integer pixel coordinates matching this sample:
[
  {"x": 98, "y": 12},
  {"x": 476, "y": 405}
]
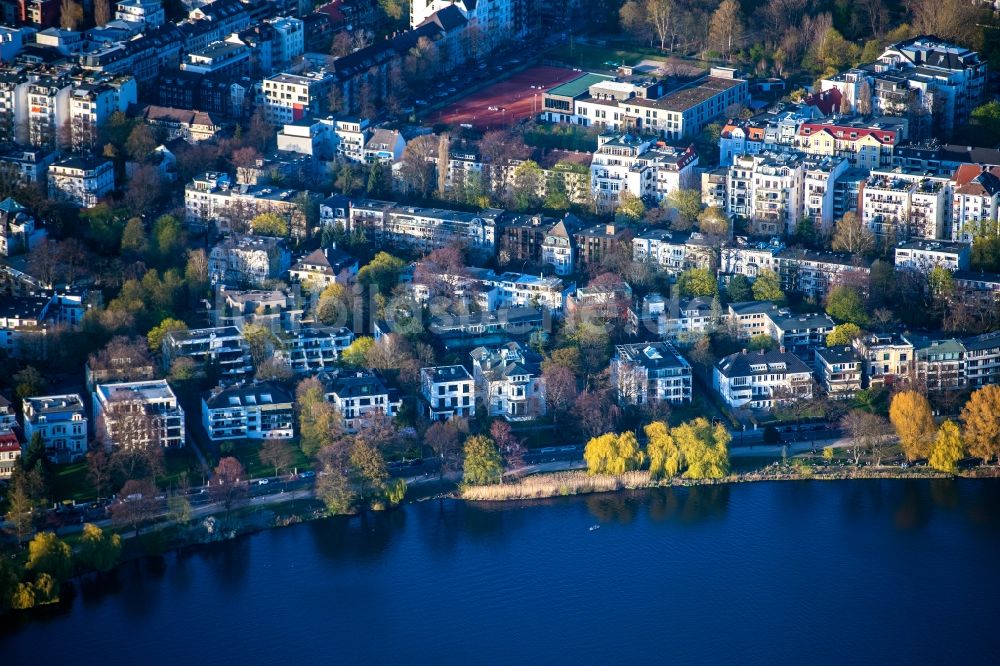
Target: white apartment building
[
  {"x": 310, "y": 348},
  {"x": 8, "y": 419},
  {"x": 91, "y": 104},
  {"x": 449, "y": 391},
  {"x": 324, "y": 267},
  {"x": 47, "y": 109},
  {"x": 353, "y": 134},
  {"x": 384, "y": 146},
  {"x": 645, "y": 167},
  {"x": 839, "y": 371},
  {"x": 61, "y": 422},
  {"x": 506, "y": 290},
  {"x": 212, "y": 199},
  {"x": 289, "y": 97},
  {"x": 509, "y": 382},
  {"x": 147, "y": 12},
  {"x": 650, "y": 373},
  {"x": 116, "y": 406},
  {"x": 748, "y": 259},
  {"x": 360, "y": 396},
  {"x": 905, "y": 204},
  {"x": 762, "y": 380},
  {"x": 494, "y": 19},
  {"x": 767, "y": 189},
  {"x": 424, "y": 228},
  {"x": 310, "y": 136},
  {"x": 10, "y": 453},
  {"x": 885, "y": 357},
  {"x": 248, "y": 261},
  {"x": 924, "y": 255},
  {"x": 290, "y": 41},
  {"x": 557, "y": 250},
  {"x": 819, "y": 190},
  {"x": 975, "y": 206},
  {"x": 23, "y": 325},
  {"x": 678, "y": 320},
  {"x": 248, "y": 411},
  {"x": 83, "y": 181},
  {"x": 223, "y": 348},
  {"x": 668, "y": 250}
]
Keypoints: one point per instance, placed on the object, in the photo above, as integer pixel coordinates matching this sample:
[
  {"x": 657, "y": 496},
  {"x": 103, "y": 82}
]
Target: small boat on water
[{"x": 594, "y": 527}]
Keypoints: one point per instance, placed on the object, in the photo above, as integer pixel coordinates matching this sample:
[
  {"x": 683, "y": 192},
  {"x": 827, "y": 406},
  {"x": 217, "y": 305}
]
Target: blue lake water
[{"x": 874, "y": 571}]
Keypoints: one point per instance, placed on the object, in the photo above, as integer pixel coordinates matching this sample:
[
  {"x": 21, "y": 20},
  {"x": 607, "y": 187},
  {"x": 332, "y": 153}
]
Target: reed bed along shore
[{"x": 578, "y": 482}]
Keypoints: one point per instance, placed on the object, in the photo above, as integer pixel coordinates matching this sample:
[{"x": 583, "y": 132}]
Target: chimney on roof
[
  {"x": 781, "y": 349},
  {"x": 609, "y": 229}
]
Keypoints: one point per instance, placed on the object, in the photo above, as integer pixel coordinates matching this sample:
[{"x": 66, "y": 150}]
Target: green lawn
[
  {"x": 566, "y": 137},
  {"x": 69, "y": 482},
  {"x": 248, "y": 453},
  {"x": 590, "y": 56}
]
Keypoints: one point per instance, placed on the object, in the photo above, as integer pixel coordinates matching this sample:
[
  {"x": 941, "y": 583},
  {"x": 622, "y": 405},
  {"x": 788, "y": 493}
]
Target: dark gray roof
[
  {"x": 263, "y": 393},
  {"x": 838, "y": 355},
  {"x": 446, "y": 373},
  {"x": 361, "y": 384},
  {"x": 739, "y": 364}
]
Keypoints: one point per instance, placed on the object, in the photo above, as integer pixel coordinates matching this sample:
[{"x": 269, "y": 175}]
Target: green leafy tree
[
  {"x": 713, "y": 221},
  {"x": 687, "y": 203},
  {"x": 270, "y": 224},
  {"x": 846, "y": 304},
  {"x": 630, "y": 207},
  {"x": 134, "y": 239},
  {"x": 168, "y": 240},
  {"x": 179, "y": 509},
  {"x": 761, "y": 342},
  {"x": 947, "y": 449},
  {"x": 333, "y": 307},
  {"x": 334, "y": 489},
  {"x": 382, "y": 272},
  {"x": 99, "y": 550},
  {"x": 528, "y": 179},
  {"x": 358, "y": 352},
  {"x": 48, "y": 554},
  {"x": 155, "y": 337},
  {"x": 28, "y": 383},
  {"x": 319, "y": 423},
  {"x": 843, "y": 335},
  {"x": 20, "y": 511},
  {"x": 739, "y": 289},
  {"x": 767, "y": 286},
  {"x": 698, "y": 282},
  {"x": 663, "y": 453},
  {"x": 986, "y": 118},
  {"x": 395, "y": 491},
  {"x": 368, "y": 468},
  {"x": 482, "y": 464}
]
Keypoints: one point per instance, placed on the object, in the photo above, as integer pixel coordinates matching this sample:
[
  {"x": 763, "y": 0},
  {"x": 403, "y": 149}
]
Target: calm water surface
[{"x": 875, "y": 571}]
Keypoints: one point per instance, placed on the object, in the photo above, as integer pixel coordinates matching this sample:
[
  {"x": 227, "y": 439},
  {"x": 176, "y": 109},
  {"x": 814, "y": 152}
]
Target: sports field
[{"x": 505, "y": 102}]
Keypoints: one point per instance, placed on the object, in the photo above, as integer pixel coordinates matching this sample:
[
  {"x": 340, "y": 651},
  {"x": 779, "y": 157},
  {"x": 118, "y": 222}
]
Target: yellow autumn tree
[
  {"x": 664, "y": 456},
  {"x": 947, "y": 449},
  {"x": 910, "y": 414},
  {"x": 612, "y": 454},
  {"x": 704, "y": 448},
  {"x": 981, "y": 423}
]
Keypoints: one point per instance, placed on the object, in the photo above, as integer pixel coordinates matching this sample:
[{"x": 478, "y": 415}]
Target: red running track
[{"x": 512, "y": 97}]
